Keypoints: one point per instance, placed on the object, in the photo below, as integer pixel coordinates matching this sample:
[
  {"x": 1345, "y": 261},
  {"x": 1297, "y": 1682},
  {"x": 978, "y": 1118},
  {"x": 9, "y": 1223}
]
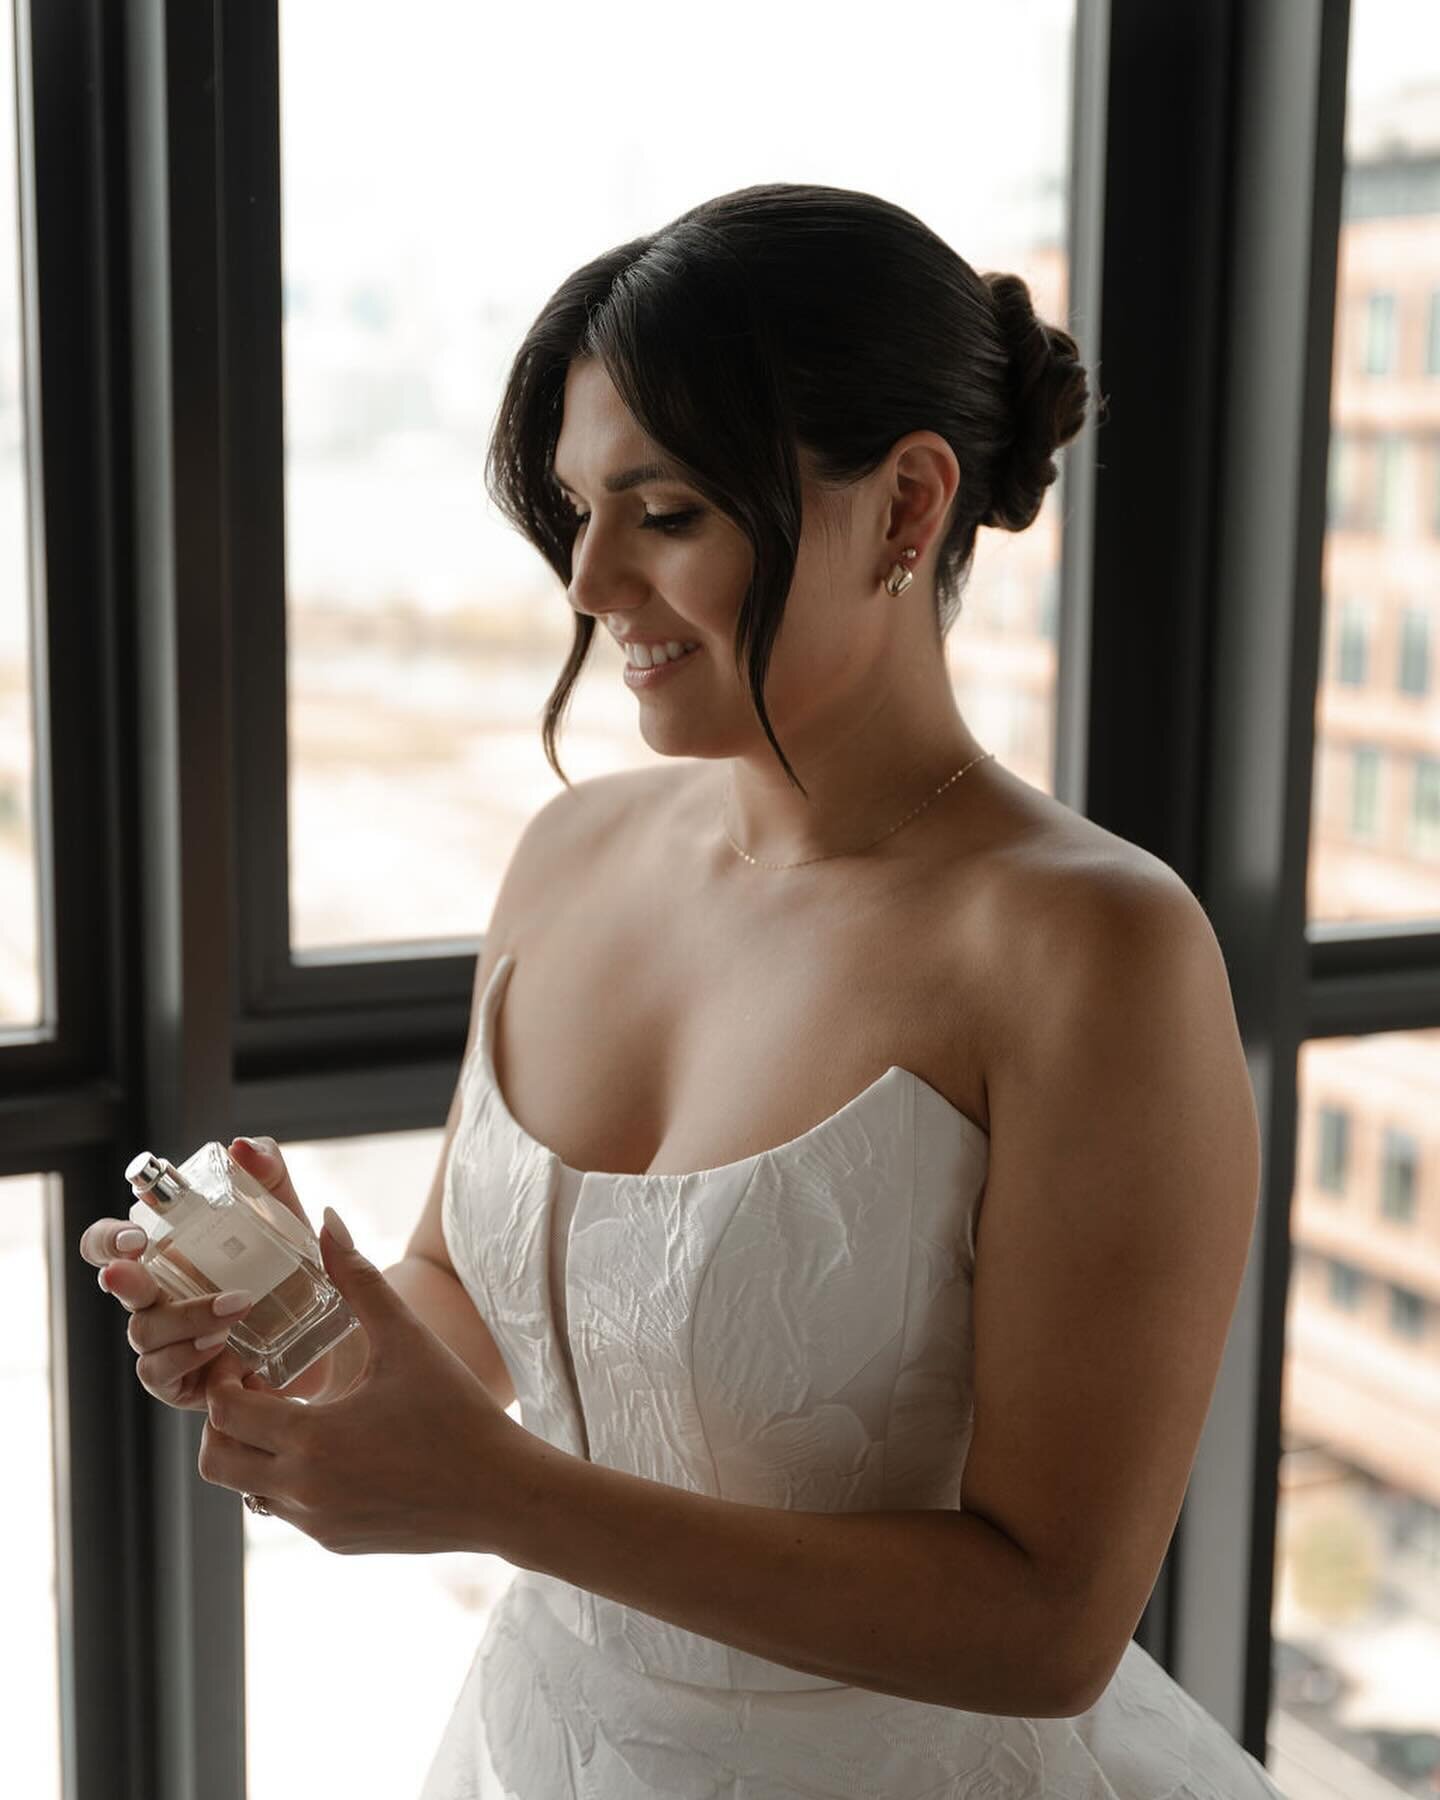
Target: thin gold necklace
[{"x": 870, "y": 846}]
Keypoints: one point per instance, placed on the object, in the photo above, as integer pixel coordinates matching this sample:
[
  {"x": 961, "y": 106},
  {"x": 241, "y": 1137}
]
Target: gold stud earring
[{"x": 900, "y": 577}]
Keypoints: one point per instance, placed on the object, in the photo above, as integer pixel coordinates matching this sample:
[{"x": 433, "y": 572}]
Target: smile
[{"x": 644, "y": 678}]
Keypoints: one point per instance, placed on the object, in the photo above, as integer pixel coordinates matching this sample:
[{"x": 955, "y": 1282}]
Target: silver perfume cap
[{"x": 155, "y": 1177}]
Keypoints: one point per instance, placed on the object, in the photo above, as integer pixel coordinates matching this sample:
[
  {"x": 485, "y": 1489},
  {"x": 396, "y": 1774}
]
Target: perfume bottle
[{"x": 211, "y": 1226}]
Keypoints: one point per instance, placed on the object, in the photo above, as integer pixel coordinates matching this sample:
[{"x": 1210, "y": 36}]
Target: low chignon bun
[{"x": 1049, "y": 396}]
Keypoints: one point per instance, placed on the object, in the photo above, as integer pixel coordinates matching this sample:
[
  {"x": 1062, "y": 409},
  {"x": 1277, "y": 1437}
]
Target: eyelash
[{"x": 667, "y": 522}]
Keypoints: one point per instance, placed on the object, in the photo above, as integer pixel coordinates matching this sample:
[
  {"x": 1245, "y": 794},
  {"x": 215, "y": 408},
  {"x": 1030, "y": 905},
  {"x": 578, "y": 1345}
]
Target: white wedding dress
[{"x": 791, "y": 1330}]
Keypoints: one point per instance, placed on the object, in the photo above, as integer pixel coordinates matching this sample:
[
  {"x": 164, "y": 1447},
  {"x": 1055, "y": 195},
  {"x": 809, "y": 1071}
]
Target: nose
[
  {"x": 604, "y": 587},
  {"x": 614, "y": 615}
]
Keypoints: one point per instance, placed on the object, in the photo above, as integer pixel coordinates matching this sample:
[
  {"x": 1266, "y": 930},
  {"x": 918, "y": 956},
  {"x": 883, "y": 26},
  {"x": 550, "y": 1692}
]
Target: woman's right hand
[{"x": 171, "y": 1364}]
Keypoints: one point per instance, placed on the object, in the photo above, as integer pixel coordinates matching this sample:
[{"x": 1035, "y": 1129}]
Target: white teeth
[{"x": 645, "y": 656}]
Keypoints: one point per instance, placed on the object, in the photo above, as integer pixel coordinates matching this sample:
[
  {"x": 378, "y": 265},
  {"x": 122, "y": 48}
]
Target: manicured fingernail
[
  {"x": 130, "y": 1238},
  {"x": 338, "y": 1229},
  {"x": 209, "y": 1343},
  {"x": 100, "y": 1278},
  {"x": 235, "y": 1301}
]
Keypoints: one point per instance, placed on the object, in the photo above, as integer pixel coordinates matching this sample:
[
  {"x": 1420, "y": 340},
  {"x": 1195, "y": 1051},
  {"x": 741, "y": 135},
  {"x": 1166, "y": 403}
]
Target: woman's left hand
[{"x": 417, "y": 1456}]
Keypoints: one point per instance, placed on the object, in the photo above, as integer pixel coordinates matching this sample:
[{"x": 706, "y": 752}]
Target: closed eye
[{"x": 676, "y": 521}]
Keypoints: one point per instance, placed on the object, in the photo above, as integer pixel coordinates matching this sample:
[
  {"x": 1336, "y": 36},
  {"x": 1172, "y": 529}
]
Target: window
[
  {"x": 1343, "y": 495},
  {"x": 19, "y": 910},
  {"x": 1397, "y": 1176},
  {"x": 1334, "y": 1155},
  {"x": 1380, "y": 334},
  {"x": 1354, "y": 644},
  {"x": 1383, "y": 502},
  {"x": 1407, "y": 1313},
  {"x": 29, "y": 1650},
  {"x": 1364, "y": 792},
  {"x": 424, "y": 635},
  {"x": 1359, "y": 1424},
  {"x": 1414, "y": 651},
  {"x": 1391, "y": 464},
  {"x": 425, "y": 1613},
  {"x": 1345, "y": 1285},
  {"x": 1425, "y": 807},
  {"x": 1435, "y": 487}
]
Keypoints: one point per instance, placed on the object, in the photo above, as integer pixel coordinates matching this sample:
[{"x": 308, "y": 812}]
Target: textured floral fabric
[{"x": 790, "y": 1330}]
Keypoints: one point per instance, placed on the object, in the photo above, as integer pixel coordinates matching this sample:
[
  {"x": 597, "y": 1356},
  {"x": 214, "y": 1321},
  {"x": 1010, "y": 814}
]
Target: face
[{"x": 656, "y": 560}]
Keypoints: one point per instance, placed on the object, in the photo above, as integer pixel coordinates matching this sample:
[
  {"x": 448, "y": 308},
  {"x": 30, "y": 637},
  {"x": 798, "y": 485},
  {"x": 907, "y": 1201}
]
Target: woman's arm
[{"x": 936, "y": 1606}]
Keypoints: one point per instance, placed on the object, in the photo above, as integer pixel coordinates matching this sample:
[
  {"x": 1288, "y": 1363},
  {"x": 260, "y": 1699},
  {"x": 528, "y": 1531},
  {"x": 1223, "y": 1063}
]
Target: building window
[
  {"x": 1435, "y": 487},
  {"x": 1398, "y": 1174},
  {"x": 1345, "y": 1284},
  {"x": 1364, "y": 792},
  {"x": 1414, "y": 651},
  {"x": 1389, "y": 482},
  {"x": 1334, "y": 1159},
  {"x": 1353, "y": 644},
  {"x": 1341, "y": 494},
  {"x": 1425, "y": 807},
  {"x": 1380, "y": 335},
  {"x": 1407, "y": 1313}
]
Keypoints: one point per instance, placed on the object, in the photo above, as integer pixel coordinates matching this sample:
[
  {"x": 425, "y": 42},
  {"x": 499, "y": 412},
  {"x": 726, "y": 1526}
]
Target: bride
[{"x": 853, "y": 1162}]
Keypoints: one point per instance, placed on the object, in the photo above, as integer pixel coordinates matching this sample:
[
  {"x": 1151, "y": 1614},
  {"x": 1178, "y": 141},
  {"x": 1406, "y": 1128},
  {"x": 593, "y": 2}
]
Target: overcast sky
[{"x": 547, "y": 135}]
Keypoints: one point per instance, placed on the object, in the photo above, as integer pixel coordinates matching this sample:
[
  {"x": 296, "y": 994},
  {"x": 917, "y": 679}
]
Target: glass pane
[
  {"x": 1356, "y": 1652},
  {"x": 424, "y": 635},
  {"x": 1375, "y": 841},
  {"x": 29, "y": 1642},
  {"x": 19, "y": 913},
  {"x": 399, "y": 1631}
]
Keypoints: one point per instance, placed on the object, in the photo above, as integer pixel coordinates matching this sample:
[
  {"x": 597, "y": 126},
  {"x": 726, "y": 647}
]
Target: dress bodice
[{"x": 788, "y": 1330}]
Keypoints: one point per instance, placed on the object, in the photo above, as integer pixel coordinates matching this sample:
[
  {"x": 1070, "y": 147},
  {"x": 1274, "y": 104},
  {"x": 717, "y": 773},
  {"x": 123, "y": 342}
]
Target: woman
[{"x": 853, "y": 1162}]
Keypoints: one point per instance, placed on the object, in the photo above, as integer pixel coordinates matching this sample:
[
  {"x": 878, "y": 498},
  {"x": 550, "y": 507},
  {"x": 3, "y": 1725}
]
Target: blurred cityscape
[{"x": 423, "y": 640}]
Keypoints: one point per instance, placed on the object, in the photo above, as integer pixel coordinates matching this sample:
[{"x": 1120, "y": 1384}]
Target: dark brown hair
[{"x": 781, "y": 316}]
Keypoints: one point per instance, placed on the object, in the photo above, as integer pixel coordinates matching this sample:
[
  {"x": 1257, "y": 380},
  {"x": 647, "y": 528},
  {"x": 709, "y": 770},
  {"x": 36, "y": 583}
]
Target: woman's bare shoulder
[
  {"x": 568, "y": 831},
  {"x": 598, "y": 802}
]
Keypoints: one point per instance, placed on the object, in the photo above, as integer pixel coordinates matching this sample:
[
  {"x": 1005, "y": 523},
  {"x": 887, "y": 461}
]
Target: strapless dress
[{"x": 789, "y": 1330}]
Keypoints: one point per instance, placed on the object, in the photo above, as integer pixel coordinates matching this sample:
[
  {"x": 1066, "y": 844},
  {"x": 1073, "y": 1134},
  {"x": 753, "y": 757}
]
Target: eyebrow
[{"x": 628, "y": 478}]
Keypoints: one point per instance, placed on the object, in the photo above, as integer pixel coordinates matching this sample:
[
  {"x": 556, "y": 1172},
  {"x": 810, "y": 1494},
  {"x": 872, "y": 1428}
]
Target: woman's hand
[
  {"x": 417, "y": 1456},
  {"x": 174, "y": 1363},
  {"x": 174, "y": 1358}
]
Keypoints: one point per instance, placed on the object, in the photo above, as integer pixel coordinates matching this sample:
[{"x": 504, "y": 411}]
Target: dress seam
[
  {"x": 700, "y": 1286},
  {"x": 904, "y": 1326}
]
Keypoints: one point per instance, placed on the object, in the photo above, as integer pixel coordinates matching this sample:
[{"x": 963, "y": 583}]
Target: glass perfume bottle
[{"x": 211, "y": 1227}]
